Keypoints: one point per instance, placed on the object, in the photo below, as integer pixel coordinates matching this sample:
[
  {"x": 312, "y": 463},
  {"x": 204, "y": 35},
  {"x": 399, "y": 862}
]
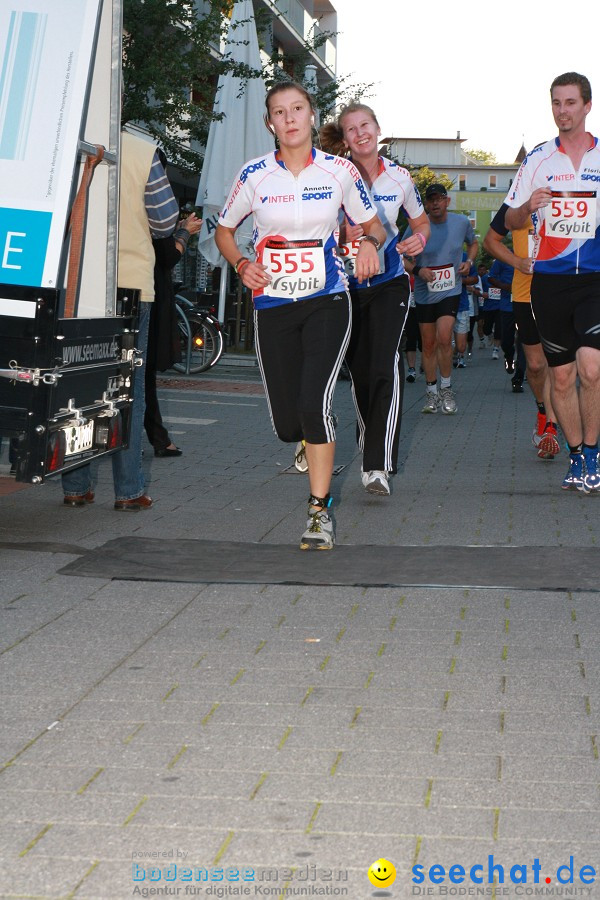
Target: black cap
[{"x": 435, "y": 189}]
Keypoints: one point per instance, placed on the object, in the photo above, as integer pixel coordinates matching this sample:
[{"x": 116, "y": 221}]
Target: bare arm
[
  {"x": 465, "y": 267},
  {"x": 414, "y": 245},
  {"x": 496, "y": 248},
  {"x": 253, "y": 275},
  {"x": 367, "y": 261},
  {"x": 517, "y": 217}
]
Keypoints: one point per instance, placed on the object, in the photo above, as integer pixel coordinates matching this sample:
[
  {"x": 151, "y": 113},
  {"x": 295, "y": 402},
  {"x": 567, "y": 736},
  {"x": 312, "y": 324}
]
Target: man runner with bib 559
[{"x": 557, "y": 185}]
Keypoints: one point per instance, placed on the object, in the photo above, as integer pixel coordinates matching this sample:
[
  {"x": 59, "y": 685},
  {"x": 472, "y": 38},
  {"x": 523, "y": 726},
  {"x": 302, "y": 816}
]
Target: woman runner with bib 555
[{"x": 302, "y": 306}]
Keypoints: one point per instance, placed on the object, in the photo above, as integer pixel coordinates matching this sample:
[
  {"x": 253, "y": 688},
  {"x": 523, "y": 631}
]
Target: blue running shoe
[
  {"x": 591, "y": 476},
  {"x": 573, "y": 480}
]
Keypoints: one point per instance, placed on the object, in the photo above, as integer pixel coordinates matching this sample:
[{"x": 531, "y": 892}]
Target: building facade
[{"x": 479, "y": 190}]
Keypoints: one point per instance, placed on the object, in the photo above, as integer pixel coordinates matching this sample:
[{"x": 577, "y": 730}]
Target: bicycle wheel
[{"x": 205, "y": 343}]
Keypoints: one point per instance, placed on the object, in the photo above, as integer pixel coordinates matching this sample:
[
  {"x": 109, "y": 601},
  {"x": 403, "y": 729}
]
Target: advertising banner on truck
[{"x": 45, "y": 52}]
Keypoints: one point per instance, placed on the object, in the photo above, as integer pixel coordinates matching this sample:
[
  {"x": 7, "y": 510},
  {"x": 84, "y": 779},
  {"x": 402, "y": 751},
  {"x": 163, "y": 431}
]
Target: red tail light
[
  {"x": 115, "y": 432},
  {"x": 55, "y": 451}
]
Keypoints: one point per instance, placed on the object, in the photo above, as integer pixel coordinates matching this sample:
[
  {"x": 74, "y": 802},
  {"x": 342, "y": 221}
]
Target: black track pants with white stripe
[
  {"x": 300, "y": 348},
  {"x": 375, "y": 362}
]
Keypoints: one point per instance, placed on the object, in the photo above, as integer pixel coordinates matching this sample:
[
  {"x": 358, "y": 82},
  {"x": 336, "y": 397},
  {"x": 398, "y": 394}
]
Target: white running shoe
[
  {"x": 432, "y": 402},
  {"x": 319, "y": 532},
  {"x": 495, "y": 353},
  {"x": 376, "y": 482},
  {"x": 448, "y": 402},
  {"x": 300, "y": 457}
]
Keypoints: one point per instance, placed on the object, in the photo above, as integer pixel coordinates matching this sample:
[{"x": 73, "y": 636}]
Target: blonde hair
[{"x": 332, "y": 133}]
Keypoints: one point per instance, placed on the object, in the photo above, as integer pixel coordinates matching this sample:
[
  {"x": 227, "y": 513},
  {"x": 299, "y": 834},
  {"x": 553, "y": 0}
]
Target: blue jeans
[{"x": 128, "y": 476}]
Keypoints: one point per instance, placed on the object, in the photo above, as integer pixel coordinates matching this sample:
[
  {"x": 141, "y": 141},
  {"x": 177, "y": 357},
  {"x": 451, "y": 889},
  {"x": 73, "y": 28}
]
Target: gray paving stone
[{"x": 456, "y": 752}]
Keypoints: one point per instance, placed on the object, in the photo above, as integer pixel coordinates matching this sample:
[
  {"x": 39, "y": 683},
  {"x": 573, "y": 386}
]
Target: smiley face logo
[{"x": 382, "y": 873}]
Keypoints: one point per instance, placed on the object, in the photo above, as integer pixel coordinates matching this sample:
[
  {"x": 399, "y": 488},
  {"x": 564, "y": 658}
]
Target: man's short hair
[{"x": 574, "y": 78}]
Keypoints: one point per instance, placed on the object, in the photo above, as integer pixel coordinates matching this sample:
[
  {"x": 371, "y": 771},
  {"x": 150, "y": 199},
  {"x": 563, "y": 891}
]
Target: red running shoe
[{"x": 548, "y": 446}]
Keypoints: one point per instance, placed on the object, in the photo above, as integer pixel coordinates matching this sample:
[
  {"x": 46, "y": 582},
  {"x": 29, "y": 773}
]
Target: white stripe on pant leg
[
  {"x": 262, "y": 371},
  {"x": 359, "y": 419},
  {"x": 330, "y": 386},
  {"x": 394, "y": 411}
]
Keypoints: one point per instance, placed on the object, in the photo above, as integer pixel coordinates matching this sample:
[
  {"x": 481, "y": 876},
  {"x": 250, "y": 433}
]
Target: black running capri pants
[{"x": 300, "y": 348}]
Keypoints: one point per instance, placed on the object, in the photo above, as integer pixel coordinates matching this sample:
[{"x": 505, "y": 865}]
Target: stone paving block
[
  {"x": 176, "y": 782},
  {"x": 38, "y": 877},
  {"x": 531, "y": 745},
  {"x": 61, "y": 807},
  {"x": 517, "y": 795},
  {"x": 556, "y": 768},
  {"x": 426, "y": 765},
  {"x": 335, "y": 786}
]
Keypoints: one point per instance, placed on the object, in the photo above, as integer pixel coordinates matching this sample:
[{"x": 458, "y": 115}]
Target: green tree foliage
[
  {"x": 171, "y": 66},
  {"x": 168, "y": 53},
  {"x": 425, "y": 176},
  {"x": 482, "y": 156}
]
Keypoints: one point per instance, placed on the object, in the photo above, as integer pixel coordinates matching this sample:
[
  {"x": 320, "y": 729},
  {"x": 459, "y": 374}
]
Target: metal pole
[{"x": 223, "y": 292}]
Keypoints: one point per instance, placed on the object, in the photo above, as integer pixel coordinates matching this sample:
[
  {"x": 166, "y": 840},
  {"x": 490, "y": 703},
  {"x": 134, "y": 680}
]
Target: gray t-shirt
[{"x": 444, "y": 253}]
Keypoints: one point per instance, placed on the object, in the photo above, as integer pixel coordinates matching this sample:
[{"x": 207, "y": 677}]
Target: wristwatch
[{"x": 372, "y": 240}]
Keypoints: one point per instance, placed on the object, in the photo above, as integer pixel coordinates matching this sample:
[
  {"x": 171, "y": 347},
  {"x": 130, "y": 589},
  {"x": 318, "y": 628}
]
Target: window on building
[
  {"x": 493, "y": 182},
  {"x": 473, "y": 219},
  {"x": 462, "y": 182}
]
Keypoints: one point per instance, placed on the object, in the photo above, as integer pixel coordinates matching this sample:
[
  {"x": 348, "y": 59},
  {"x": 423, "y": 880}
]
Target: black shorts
[
  {"x": 491, "y": 323},
  {"x": 567, "y": 314},
  {"x": 431, "y": 312},
  {"x": 526, "y": 326}
]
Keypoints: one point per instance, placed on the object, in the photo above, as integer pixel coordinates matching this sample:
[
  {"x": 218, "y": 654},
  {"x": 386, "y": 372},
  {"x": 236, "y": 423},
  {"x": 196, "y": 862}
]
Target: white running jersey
[
  {"x": 295, "y": 220},
  {"x": 569, "y": 242},
  {"x": 392, "y": 191}
]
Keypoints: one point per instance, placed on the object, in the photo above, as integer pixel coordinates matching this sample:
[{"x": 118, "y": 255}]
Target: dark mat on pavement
[{"x": 227, "y": 562}]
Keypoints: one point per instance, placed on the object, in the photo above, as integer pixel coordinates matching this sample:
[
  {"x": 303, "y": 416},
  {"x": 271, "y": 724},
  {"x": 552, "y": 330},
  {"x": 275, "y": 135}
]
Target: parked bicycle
[{"x": 201, "y": 337}]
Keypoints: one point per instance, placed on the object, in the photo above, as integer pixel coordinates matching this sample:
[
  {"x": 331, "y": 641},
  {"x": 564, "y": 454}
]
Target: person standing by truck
[{"x": 147, "y": 209}]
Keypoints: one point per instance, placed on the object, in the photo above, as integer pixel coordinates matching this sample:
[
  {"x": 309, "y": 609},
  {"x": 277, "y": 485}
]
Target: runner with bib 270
[
  {"x": 438, "y": 271},
  {"x": 301, "y": 300}
]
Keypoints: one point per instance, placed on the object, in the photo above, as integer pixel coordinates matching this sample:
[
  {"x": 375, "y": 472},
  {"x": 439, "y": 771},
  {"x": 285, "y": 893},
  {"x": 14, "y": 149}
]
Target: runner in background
[
  {"x": 545, "y": 433},
  {"x": 438, "y": 272}
]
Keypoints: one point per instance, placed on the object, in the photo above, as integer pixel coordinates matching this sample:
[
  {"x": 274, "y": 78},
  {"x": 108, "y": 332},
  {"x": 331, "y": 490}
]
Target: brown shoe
[
  {"x": 79, "y": 499},
  {"x": 143, "y": 502}
]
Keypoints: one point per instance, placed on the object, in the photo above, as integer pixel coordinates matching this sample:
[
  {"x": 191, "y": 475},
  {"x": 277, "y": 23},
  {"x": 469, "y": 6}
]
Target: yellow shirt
[{"x": 521, "y": 284}]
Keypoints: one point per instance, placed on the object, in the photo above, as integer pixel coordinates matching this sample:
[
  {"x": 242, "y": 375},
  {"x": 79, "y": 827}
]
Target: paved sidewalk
[{"x": 306, "y": 731}]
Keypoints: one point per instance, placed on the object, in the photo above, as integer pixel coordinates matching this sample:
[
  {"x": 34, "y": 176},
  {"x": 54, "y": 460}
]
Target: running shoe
[
  {"x": 412, "y": 376},
  {"x": 548, "y": 446},
  {"x": 573, "y": 480},
  {"x": 376, "y": 482},
  {"x": 495, "y": 353},
  {"x": 509, "y": 365},
  {"x": 300, "y": 457},
  {"x": 319, "y": 531},
  {"x": 461, "y": 362},
  {"x": 538, "y": 431},
  {"x": 591, "y": 475},
  {"x": 482, "y": 344},
  {"x": 432, "y": 402},
  {"x": 447, "y": 401},
  {"x": 517, "y": 386}
]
